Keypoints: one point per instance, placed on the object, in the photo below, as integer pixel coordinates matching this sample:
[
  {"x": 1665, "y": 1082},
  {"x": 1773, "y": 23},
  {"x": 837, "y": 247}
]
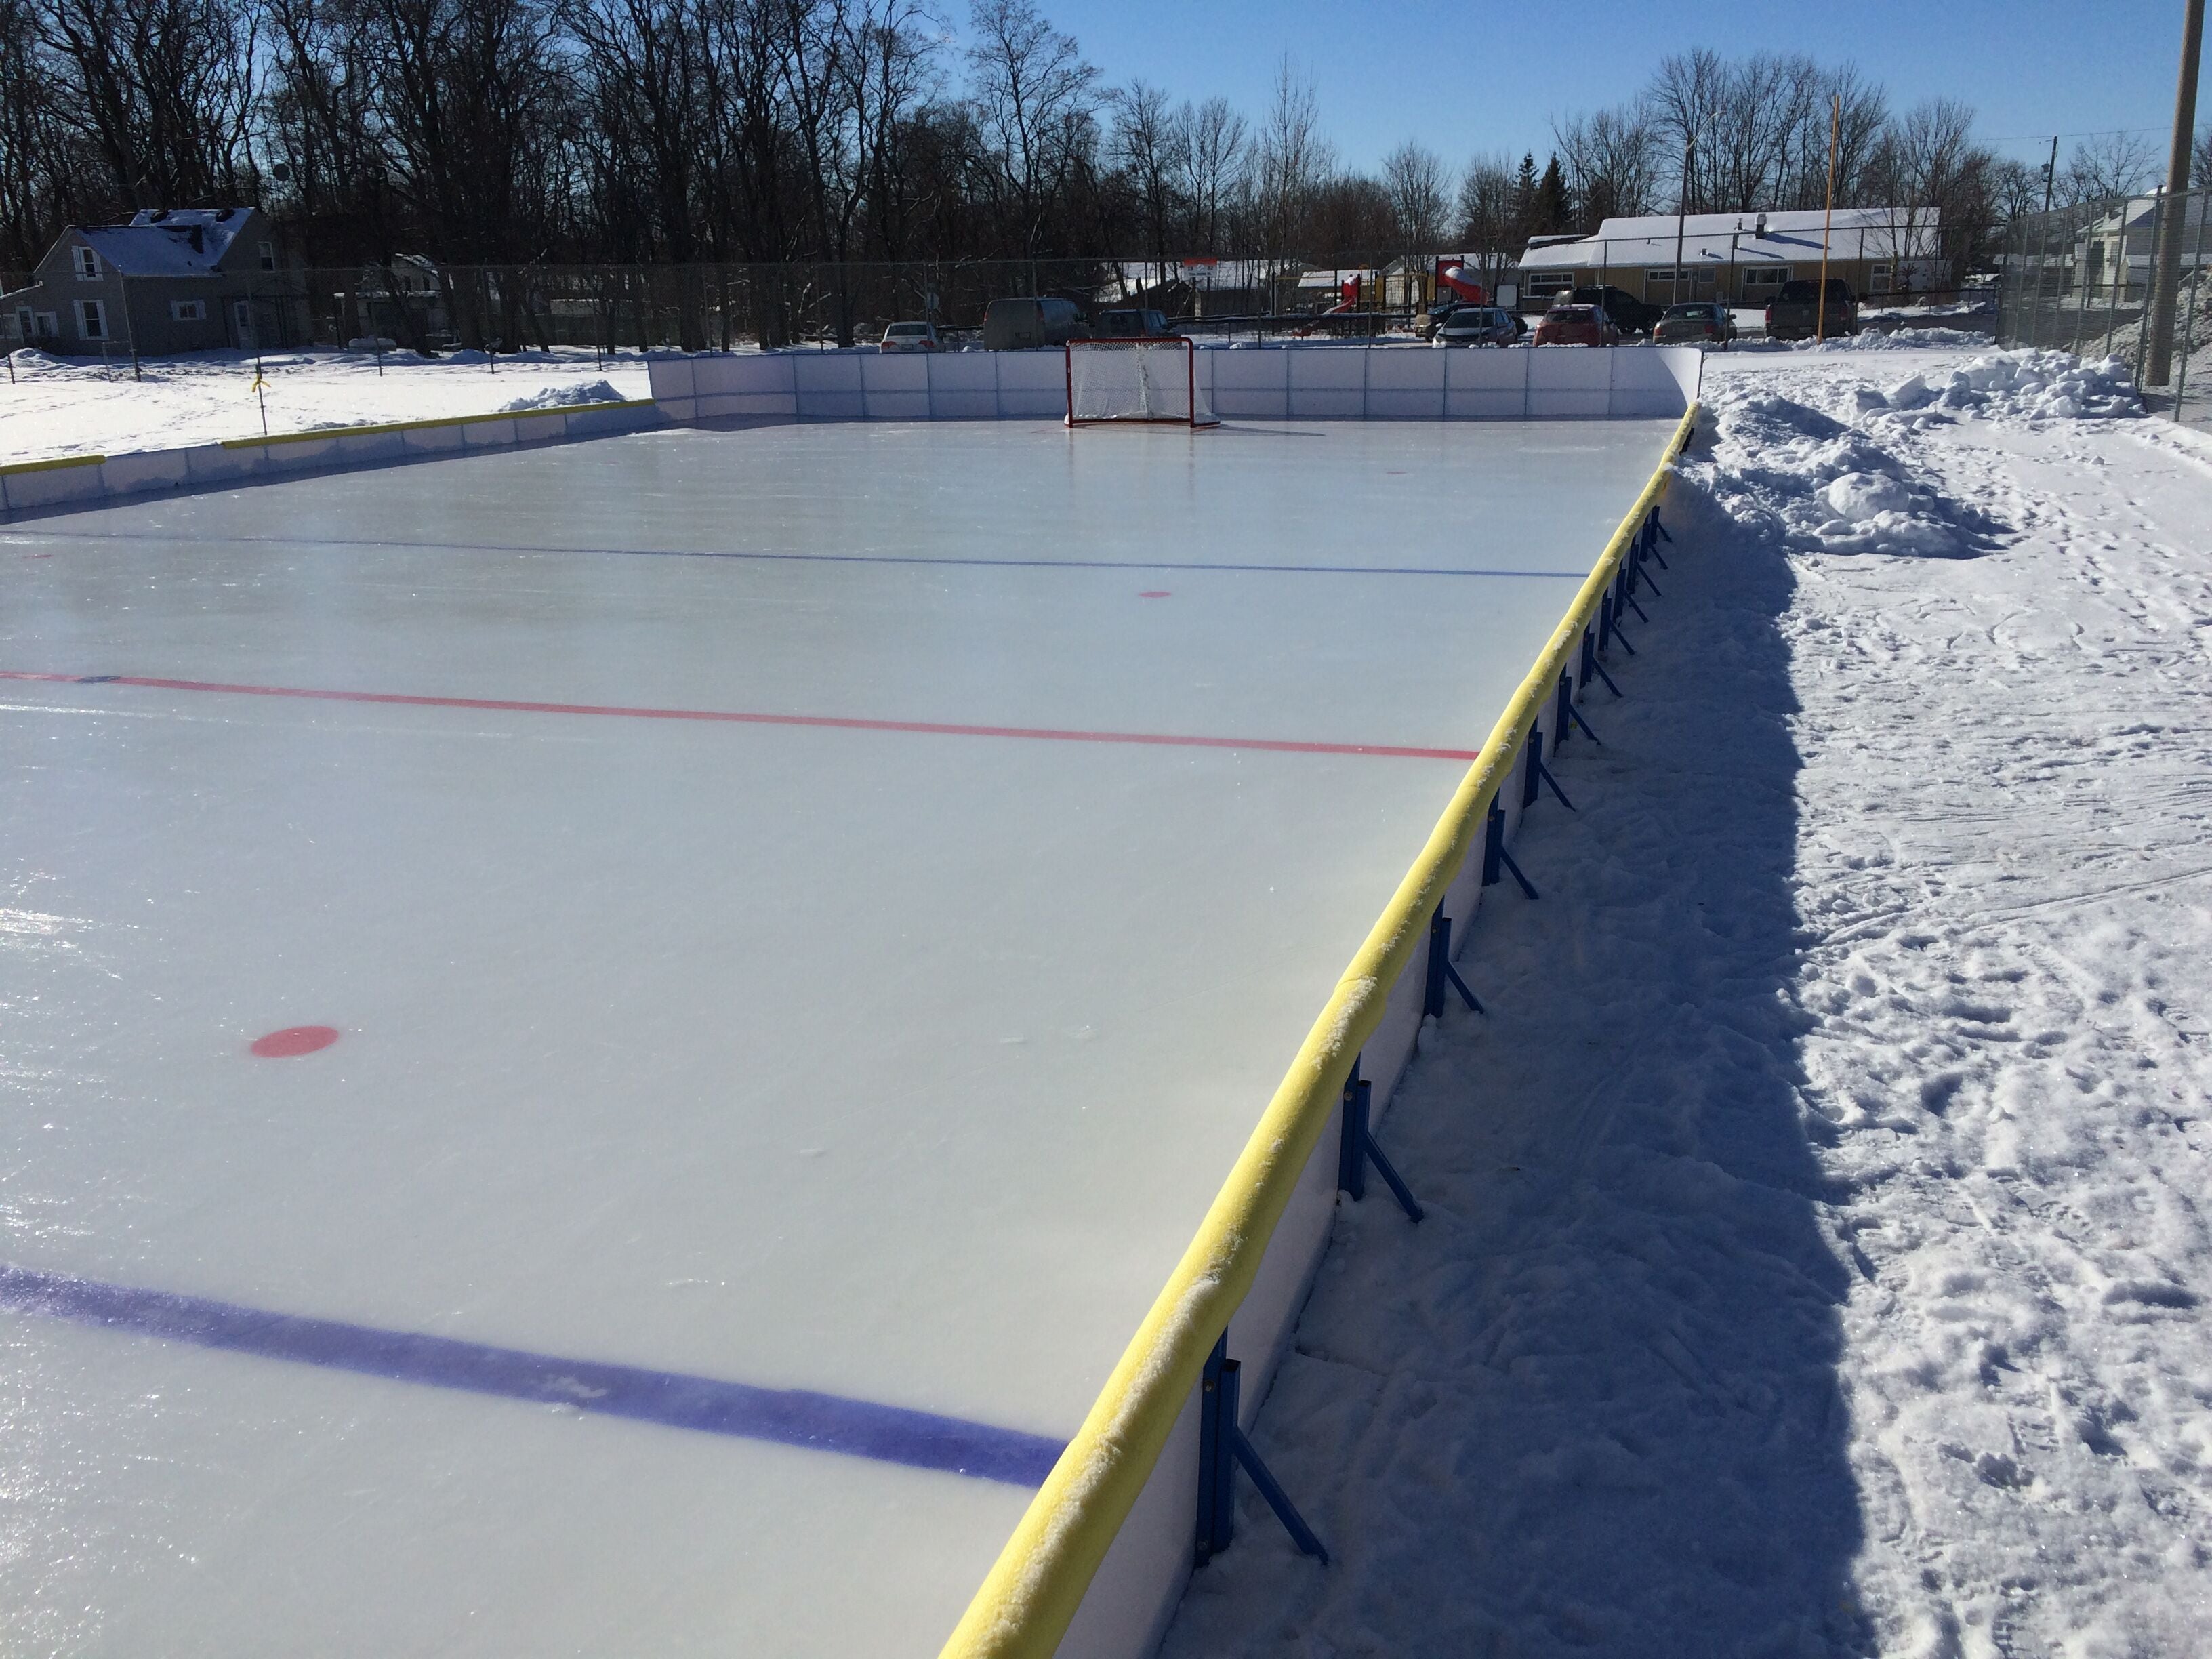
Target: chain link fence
[
  {"x": 613, "y": 309},
  {"x": 2080, "y": 279}
]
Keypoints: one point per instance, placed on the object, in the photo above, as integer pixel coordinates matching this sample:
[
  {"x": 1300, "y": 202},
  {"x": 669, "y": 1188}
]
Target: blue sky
[{"x": 1386, "y": 72}]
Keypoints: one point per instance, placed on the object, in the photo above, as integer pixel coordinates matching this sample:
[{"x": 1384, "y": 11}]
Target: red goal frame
[{"x": 1116, "y": 342}]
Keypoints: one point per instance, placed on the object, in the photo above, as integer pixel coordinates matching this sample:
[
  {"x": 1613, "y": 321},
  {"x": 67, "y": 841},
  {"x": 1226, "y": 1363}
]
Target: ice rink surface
[{"x": 808, "y": 917}]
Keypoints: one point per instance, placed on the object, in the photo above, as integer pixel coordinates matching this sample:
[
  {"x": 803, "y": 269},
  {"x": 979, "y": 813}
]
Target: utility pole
[
  {"x": 1828, "y": 218},
  {"x": 2166, "y": 283},
  {"x": 1681, "y": 219},
  {"x": 2050, "y": 172}
]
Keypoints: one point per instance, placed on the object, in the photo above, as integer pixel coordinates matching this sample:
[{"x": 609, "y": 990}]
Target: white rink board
[
  {"x": 898, "y": 1066},
  {"x": 1302, "y": 382}
]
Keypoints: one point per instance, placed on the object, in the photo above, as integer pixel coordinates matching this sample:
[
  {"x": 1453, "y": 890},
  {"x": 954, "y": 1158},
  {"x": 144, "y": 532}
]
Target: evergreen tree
[{"x": 1553, "y": 217}]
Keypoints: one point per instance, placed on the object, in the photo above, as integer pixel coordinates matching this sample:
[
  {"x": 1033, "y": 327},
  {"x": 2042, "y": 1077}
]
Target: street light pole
[
  {"x": 2166, "y": 280},
  {"x": 1681, "y": 219}
]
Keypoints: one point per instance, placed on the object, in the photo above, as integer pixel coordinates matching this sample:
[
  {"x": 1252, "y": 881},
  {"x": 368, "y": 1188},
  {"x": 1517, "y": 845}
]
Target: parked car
[
  {"x": 1025, "y": 325},
  {"x": 1475, "y": 325},
  {"x": 1130, "y": 324},
  {"x": 1696, "y": 322},
  {"x": 1630, "y": 314},
  {"x": 1577, "y": 324},
  {"x": 1796, "y": 312},
  {"x": 911, "y": 337}
]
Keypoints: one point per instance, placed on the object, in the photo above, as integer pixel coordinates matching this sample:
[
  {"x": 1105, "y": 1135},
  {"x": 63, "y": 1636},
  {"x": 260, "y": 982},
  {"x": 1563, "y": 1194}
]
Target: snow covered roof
[
  {"x": 167, "y": 241},
  {"x": 1721, "y": 238}
]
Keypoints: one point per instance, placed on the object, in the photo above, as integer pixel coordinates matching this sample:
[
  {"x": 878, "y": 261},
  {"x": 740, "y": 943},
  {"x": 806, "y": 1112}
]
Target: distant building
[
  {"x": 183, "y": 279},
  {"x": 2116, "y": 249},
  {"x": 402, "y": 300},
  {"x": 1742, "y": 258}
]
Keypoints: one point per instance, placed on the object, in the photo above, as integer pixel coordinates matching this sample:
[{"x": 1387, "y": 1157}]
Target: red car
[{"x": 1578, "y": 326}]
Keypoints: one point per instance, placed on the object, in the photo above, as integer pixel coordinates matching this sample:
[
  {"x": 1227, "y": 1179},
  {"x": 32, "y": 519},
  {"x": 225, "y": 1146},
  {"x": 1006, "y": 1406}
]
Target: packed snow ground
[
  {"x": 59, "y": 406},
  {"x": 1816, "y": 1260}
]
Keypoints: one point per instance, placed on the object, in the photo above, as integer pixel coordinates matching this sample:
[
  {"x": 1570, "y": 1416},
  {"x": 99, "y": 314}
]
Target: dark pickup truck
[
  {"x": 1796, "y": 312},
  {"x": 1630, "y": 314}
]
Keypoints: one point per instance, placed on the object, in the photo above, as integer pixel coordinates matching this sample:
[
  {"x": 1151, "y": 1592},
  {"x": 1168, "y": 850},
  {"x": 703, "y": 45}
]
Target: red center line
[{"x": 739, "y": 717}]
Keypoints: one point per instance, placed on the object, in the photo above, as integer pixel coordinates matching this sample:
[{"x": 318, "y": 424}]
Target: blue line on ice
[
  {"x": 789, "y": 1417},
  {"x": 797, "y": 558}
]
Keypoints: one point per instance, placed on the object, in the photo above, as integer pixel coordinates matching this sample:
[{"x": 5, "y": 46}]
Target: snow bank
[
  {"x": 563, "y": 397},
  {"x": 1837, "y": 480}
]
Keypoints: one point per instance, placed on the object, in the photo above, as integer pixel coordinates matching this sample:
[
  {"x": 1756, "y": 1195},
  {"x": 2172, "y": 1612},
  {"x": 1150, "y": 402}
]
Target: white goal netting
[{"x": 1135, "y": 381}]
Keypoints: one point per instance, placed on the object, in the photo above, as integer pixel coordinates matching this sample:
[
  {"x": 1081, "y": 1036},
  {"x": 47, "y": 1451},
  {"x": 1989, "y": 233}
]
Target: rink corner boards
[
  {"x": 1032, "y": 1594},
  {"x": 72, "y": 482}
]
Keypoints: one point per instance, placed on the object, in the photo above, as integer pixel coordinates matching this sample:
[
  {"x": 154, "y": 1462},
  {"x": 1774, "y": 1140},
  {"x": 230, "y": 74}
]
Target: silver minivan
[{"x": 1025, "y": 325}]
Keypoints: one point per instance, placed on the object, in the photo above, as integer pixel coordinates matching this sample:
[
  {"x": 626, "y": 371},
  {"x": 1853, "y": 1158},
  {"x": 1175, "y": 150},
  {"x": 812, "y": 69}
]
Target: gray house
[{"x": 174, "y": 279}]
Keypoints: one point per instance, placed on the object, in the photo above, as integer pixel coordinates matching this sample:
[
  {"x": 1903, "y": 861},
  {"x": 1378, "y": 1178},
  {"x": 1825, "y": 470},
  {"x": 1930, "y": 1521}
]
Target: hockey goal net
[{"x": 1152, "y": 380}]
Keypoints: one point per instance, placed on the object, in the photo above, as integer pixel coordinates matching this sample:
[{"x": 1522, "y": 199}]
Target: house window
[
  {"x": 88, "y": 264},
  {"x": 1764, "y": 276},
  {"x": 269, "y": 256},
  {"x": 91, "y": 320},
  {"x": 188, "y": 311},
  {"x": 23, "y": 324},
  {"x": 1878, "y": 280}
]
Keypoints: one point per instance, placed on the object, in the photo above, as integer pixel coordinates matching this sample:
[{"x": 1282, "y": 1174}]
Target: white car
[{"x": 911, "y": 337}]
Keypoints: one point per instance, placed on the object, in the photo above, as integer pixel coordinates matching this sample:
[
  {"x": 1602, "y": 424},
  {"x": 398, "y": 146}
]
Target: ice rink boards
[{"x": 808, "y": 916}]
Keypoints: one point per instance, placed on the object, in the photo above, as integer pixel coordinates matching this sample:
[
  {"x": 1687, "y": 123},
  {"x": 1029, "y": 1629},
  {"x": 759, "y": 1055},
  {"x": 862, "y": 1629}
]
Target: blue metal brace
[
  {"x": 1222, "y": 1446},
  {"x": 1591, "y": 668},
  {"x": 1569, "y": 712},
  {"x": 1442, "y": 974},
  {"x": 1537, "y": 775},
  {"x": 1357, "y": 1148},
  {"x": 1605, "y": 619},
  {"x": 1658, "y": 535},
  {"x": 1646, "y": 575},
  {"x": 1494, "y": 854}
]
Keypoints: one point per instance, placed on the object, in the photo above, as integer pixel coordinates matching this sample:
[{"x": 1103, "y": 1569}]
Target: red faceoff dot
[
  {"x": 294, "y": 1040},
  {"x": 1153, "y": 593}
]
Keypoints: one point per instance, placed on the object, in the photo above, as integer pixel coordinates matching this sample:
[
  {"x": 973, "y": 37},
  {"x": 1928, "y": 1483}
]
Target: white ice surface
[
  {"x": 892, "y": 1065},
  {"x": 1816, "y": 1260},
  {"x": 56, "y": 406}
]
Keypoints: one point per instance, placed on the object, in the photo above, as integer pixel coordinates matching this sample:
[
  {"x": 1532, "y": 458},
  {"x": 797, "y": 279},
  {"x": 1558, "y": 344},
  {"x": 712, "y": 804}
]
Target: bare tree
[
  {"x": 1487, "y": 210},
  {"x": 1213, "y": 149},
  {"x": 2108, "y": 164},
  {"x": 1413, "y": 177},
  {"x": 1147, "y": 146},
  {"x": 1611, "y": 162},
  {"x": 165, "y": 89},
  {"x": 1033, "y": 101},
  {"x": 1292, "y": 161}
]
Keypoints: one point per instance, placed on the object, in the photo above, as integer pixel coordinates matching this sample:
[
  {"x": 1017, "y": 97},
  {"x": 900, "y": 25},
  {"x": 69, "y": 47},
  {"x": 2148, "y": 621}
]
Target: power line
[{"x": 2039, "y": 137}]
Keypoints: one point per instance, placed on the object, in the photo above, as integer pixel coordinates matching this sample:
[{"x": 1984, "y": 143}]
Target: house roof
[
  {"x": 167, "y": 241},
  {"x": 1720, "y": 238}
]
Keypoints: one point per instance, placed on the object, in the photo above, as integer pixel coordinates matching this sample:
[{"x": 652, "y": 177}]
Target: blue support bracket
[
  {"x": 1568, "y": 712},
  {"x": 1658, "y": 535},
  {"x": 1592, "y": 670},
  {"x": 1442, "y": 975},
  {"x": 1357, "y": 1148},
  {"x": 1535, "y": 775},
  {"x": 1494, "y": 855},
  {"x": 1222, "y": 1448},
  {"x": 1605, "y": 619},
  {"x": 1628, "y": 598}
]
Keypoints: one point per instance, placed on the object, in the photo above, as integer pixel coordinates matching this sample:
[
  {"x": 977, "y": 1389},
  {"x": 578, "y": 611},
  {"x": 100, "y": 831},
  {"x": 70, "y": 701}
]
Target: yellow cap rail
[{"x": 1026, "y": 1603}]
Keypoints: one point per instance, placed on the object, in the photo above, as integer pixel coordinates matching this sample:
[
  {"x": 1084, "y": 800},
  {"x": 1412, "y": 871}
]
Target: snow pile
[
  {"x": 563, "y": 397},
  {"x": 1900, "y": 339},
  {"x": 2021, "y": 386},
  {"x": 1807, "y": 480}
]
